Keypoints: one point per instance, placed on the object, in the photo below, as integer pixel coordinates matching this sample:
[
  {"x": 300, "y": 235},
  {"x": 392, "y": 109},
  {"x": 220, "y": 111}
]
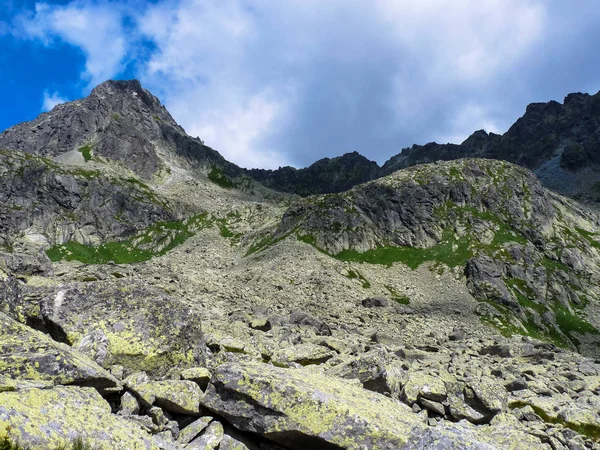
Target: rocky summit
[{"x": 155, "y": 296}]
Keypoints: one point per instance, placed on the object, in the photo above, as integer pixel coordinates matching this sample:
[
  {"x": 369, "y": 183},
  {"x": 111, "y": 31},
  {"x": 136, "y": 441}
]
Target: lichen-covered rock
[
  {"x": 210, "y": 439},
  {"x": 129, "y": 405},
  {"x": 175, "y": 396},
  {"x": 29, "y": 355},
  {"x": 47, "y": 418},
  {"x": 369, "y": 368},
  {"x": 303, "y": 354},
  {"x": 199, "y": 375},
  {"x": 192, "y": 431},
  {"x": 125, "y": 323},
  {"x": 420, "y": 384},
  {"x": 230, "y": 443},
  {"x": 299, "y": 409}
]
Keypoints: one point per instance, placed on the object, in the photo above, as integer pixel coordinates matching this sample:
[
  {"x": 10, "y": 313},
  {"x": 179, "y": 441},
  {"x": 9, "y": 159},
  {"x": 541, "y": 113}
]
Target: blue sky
[{"x": 271, "y": 82}]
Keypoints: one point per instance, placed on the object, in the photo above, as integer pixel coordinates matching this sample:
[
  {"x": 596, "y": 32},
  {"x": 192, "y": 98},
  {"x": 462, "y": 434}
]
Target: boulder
[
  {"x": 303, "y": 354},
  {"x": 125, "y": 323},
  {"x": 422, "y": 385},
  {"x": 174, "y": 396},
  {"x": 199, "y": 375},
  {"x": 31, "y": 356},
  {"x": 48, "y": 418},
  {"x": 369, "y": 368},
  {"x": 300, "y": 409},
  {"x": 192, "y": 431},
  {"x": 210, "y": 439},
  {"x": 375, "y": 302},
  {"x": 301, "y": 318}
]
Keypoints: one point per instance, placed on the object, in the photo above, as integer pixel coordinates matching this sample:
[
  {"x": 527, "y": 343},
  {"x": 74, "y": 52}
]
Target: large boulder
[
  {"x": 27, "y": 355},
  {"x": 299, "y": 409},
  {"x": 125, "y": 323},
  {"x": 49, "y": 418}
]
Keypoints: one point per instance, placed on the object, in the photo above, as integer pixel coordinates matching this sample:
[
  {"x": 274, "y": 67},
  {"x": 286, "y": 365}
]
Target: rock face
[
  {"x": 119, "y": 121},
  {"x": 120, "y": 323},
  {"x": 43, "y": 204}
]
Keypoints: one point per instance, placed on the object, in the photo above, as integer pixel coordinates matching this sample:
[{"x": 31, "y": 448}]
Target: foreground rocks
[
  {"x": 47, "y": 418},
  {"x": 120, "y": 323},
  {"x": 300, "y": 409}
]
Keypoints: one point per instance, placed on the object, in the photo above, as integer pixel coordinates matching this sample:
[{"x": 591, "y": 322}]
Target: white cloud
[
  {"x": 214, "y": 61},
  {"x": 270, "y": 83},
  {"x": 49, "y": 100},
  {"x": 94, "y": 28}
]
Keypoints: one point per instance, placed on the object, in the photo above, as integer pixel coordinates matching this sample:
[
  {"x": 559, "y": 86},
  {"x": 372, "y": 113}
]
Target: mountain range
[{"x": 154, "y": 295}]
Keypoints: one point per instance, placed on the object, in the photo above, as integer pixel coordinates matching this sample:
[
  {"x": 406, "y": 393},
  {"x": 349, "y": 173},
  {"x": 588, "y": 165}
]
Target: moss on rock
[{"x": 49, "y": 418}]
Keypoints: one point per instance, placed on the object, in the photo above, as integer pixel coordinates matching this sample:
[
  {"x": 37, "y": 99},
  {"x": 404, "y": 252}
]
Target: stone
[
  {"x": 302, "y": 318},
  {"x": 190, "y": 432},
  {"x": 199, "y": 375},
  {"x": 175, "y": 396},
  {"x": 47, "y": 418},
  {"x": 29, "y": 355},
  {"x": 420, "y": 384},
  {"x": 210, "y": 439},
  {"x": 369, "y": 368},
  {"x": 230, "y": 443},
  {"x": 493, "y": 396},
  {"x": 375, "y": 302},
  {"x": 129, "y": 405},
  {"x": 303, "y": 354},
  {"x": 457, "y": 335},
  {"x": 435, "y": 407},
  {"x": 260, "y": 323}
]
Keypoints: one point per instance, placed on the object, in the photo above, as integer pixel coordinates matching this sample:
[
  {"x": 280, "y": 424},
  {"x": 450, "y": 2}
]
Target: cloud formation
[
  {"x": 95, "y": 28},
  {"x": 50, "y": 100},
  {"x": 269, "y": 83}
]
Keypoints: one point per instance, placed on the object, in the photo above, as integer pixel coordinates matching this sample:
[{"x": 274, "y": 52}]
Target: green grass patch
[
  {"x": 219, "y": 178},
  {"x": 589, "y": 237},
  {"x": 570, "y": 323},
  {"x": 86, "y": 152},
  {"x": 396, "y": 296},
  {"x": 451, "y": 253},
  {"x": 355, "y": 274},
  {"x": 155, "y": 240}
]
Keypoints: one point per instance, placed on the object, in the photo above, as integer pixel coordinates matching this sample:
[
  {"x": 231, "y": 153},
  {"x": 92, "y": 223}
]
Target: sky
[{"x": 270, "y": 83}]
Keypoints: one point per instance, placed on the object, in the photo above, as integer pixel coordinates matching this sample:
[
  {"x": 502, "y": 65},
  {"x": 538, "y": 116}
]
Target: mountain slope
[{"x": 532, "y": 257}]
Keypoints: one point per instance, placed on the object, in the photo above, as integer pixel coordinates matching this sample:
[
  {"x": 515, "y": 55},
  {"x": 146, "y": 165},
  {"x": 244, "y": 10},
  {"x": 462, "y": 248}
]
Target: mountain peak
[{"x": 121, "y": 89}]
